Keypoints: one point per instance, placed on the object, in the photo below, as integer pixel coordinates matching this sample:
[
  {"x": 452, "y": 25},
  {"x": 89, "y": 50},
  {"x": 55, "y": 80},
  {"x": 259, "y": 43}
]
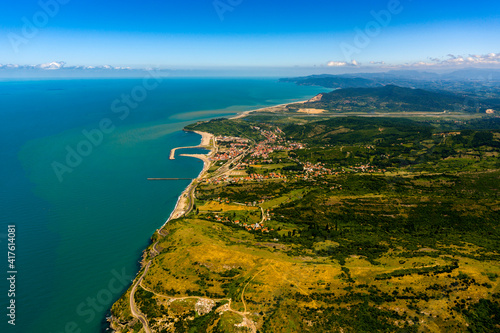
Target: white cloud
[
  {"x": 342, "y": 63},
  {"x": 451, "y": 60},
  {"x": 336, "y": 64},
  {"x": 52, "y": 65},
  {"x": 58, "y": 65},
  {"x": 460, "y": 60}
]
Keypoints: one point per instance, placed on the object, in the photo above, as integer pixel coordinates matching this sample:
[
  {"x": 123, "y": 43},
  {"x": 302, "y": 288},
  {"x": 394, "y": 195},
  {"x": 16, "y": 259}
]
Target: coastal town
[{"x": 275, "y": 211}]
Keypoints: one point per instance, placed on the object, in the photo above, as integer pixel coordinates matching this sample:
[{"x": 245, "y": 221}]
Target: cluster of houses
[
  {"x": 258, "y": 177},
  {"x": 226, "y": 155},
  {"x": 263, "y": 149},
  {"x": 234, "y": 146},
  {"x": 317, "y": 169},
  {"x": 230, "y": 147},
  {"x": 312, "y": 171},
  {"x": 274, "y": 142}
]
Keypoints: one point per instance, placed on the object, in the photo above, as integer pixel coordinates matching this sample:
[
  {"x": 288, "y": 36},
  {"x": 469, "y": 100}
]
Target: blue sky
[{"x": 192, "y": 34}]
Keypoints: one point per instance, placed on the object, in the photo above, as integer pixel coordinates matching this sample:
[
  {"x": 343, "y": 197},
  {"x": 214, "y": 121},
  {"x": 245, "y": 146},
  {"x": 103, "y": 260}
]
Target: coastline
[
  {"x": 185, "y": 201},
  {"x": 205, "y": 143},
  {"x": 182, "y": 201},
  {"x": 206, "y": 140}
]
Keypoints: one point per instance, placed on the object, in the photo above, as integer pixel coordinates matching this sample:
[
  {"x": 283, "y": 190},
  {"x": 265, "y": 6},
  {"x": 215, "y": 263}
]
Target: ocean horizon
[{"x": 76, "y": 155}]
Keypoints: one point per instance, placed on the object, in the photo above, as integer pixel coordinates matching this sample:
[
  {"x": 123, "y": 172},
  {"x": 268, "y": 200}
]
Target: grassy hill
[
  {"x": 389, "y": 98},
  {"x": 470, "y": 85},
  {"x": 374, "y": 225}
]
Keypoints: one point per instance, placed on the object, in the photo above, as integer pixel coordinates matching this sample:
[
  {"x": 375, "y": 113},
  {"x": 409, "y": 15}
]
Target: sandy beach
[
  {"x": 183, "y": 202},
  {"x": 205, "y": 138}
]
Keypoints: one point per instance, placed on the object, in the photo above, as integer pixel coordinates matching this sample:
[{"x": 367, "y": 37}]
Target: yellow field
[
  {"x": 215, "y": 206},
  {"x": 202, "y": 254}
]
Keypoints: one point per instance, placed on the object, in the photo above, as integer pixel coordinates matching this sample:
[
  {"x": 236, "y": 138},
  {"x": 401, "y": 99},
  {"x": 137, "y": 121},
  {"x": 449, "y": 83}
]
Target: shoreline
[
  {"x": 180, "y": 206},
  {"x": 206, "y": 139},
  {"x": 183, "y": 204},
  {"x": 205, "y": 143}
]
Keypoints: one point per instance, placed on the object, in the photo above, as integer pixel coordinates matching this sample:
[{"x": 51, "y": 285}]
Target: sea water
[{"x": 75, "y": 158}]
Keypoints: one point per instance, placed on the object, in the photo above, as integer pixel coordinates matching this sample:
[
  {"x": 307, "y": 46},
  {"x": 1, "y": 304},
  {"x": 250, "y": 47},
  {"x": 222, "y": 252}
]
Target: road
[
  {"x": 133, "y": 309},
  {"x": 190, "y": 196},
  {"x": 263, "y": 215},
  {"x": 225, "y": 168}
]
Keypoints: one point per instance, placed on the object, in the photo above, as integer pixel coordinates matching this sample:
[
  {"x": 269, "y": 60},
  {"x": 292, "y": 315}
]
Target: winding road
[{"x": 133, "y": 309}]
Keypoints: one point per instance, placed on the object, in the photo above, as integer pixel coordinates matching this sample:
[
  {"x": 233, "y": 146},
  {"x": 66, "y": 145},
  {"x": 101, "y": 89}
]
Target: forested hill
[
  {"x": 358, "y": 130},
  {"x": 391, "y": 98},
  {"x": 333, "y": 81}
]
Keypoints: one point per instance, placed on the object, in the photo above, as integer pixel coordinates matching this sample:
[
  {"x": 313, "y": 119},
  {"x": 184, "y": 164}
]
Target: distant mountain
[
  {"x": 410, "y": 79},
  {"x": 473, "y": 74},
  {"x": 455, "y": 81},
  {"x": 333, "y": 81},
  {"x": 389, "y": 98},
  {"x": 412, "y": 74}
]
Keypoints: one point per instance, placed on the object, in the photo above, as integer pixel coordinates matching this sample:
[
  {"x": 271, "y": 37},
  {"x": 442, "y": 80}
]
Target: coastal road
[
  {"x": 190, "y": 196},
  {"x": 133, "y": 309},
  {"x": 154, "y": 251}
]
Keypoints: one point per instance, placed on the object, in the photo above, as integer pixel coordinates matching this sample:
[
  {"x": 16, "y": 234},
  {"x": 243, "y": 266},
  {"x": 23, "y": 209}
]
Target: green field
[{"x": 380, "y": 225}]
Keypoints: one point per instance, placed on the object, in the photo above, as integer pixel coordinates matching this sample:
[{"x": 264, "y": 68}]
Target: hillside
[
  {"x": 333, "y": 81},
  {"x": 349, "y": 224},
  {"x": 474, "y": 85},
  {"x": 389, "y": 98}
]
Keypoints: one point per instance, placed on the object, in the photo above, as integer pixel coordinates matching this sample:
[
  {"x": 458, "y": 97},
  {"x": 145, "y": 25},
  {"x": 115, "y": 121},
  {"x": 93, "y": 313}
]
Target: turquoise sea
[{"x": 75, "y": 155}]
